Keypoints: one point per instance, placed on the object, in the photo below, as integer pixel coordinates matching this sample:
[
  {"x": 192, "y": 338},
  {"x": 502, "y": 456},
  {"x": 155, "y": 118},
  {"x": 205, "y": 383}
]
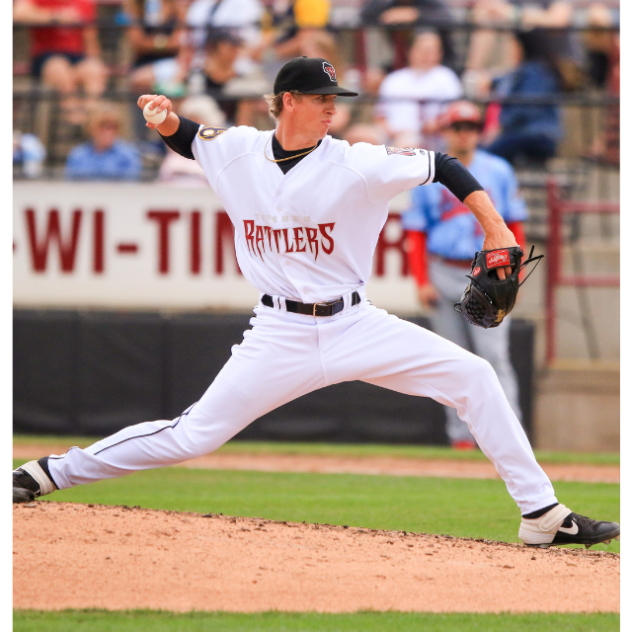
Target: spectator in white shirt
[
  {"x": 406, "y": 121},
  {"x": 240, "y": 16}
]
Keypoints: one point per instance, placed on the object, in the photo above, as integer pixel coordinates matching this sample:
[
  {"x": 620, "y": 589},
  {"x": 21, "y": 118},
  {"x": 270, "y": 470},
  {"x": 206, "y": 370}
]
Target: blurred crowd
[{"x": 214, "y": 57}]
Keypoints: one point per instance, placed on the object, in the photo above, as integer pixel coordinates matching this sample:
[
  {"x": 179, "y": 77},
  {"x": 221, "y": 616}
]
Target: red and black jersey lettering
[{"x": 262, "y": 239}]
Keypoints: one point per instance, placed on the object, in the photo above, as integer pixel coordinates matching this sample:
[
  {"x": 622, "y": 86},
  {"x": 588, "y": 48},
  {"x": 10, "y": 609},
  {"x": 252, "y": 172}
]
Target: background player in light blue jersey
[{"x": 442, "y": 240}]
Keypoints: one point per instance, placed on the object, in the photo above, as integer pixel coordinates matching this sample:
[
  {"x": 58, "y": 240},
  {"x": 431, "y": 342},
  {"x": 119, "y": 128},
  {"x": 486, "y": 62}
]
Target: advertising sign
[{"x": 153, "y": 246}]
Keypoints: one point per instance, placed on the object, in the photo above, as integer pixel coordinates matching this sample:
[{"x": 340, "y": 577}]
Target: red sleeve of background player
[
  {"x": 518, "y": 230},
  {"x": 417, "y": 256}
]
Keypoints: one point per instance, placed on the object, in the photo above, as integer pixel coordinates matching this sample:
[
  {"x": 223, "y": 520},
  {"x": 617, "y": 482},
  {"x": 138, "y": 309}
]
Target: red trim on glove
[{"x": 417, "y": 256}]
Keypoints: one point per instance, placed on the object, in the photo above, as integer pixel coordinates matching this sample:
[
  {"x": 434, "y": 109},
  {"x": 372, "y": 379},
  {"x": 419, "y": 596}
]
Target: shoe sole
[{"x": 605, "y": 539}]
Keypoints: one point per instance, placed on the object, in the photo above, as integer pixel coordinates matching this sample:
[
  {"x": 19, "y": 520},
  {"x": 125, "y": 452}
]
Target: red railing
[{"x": 555, "y": 277}]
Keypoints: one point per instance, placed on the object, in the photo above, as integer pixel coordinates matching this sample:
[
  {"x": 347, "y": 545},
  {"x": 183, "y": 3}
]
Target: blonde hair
[
  {"x": 101, "y": 111},
  {"x": 275, "y": 102}
]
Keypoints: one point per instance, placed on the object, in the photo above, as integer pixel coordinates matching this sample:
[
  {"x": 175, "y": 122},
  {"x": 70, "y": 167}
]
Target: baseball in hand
[{"x": 152, "y": 116}]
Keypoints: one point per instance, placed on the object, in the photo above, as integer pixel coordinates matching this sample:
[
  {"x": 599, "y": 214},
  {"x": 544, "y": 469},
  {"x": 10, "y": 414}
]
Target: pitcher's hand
[
  {"x": 500, "y": 238},
  {"x": 157, "y": 102},
  {"x": 428, "y": 295}
]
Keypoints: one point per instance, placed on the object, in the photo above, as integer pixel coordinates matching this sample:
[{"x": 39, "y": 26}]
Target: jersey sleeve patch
[
  {"x": 400, "y": 151},
  {"x": 209, "y": 133}
]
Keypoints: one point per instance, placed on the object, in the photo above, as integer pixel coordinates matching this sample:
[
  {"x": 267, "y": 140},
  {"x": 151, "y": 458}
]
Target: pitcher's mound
[{"x": 92, "y": 556}]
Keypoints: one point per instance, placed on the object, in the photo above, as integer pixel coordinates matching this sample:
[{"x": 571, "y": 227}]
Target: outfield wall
[{"x": 93, "y": 373}]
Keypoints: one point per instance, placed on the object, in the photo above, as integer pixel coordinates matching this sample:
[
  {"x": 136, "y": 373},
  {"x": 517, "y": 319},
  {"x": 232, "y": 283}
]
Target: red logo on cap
[
  {"x": 497, "y": 258},
  {"x": 330, "y": 70},
  {"x": 476, "y": 271}
]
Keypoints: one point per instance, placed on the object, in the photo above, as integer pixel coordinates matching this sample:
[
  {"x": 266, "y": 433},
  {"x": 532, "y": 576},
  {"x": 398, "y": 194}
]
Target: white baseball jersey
[{"x": 309, "y": 234}]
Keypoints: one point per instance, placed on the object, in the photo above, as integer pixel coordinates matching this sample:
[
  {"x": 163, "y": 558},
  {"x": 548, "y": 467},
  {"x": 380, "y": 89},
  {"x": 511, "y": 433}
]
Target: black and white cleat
[{"x": 561, "y": 526}]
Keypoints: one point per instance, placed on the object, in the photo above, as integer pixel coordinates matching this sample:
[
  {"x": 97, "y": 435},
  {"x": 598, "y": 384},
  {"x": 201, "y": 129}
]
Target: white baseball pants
[
  {"x": 491, "y": 344},
  {"x": 287, "y": 355}
]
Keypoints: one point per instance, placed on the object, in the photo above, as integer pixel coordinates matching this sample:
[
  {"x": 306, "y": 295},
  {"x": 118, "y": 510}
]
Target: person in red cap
[{"x": 442, "y": 240}]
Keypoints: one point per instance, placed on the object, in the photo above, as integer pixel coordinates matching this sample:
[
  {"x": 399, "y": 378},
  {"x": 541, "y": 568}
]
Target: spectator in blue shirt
[
  {"x": 530, "y": 133},
  {"x": 105, "y": 156}
]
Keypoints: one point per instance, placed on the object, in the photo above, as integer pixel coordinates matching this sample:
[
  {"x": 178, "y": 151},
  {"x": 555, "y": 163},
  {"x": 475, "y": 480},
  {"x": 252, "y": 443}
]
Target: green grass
[
  {"x": 472, "y": 508},
  {"x": 460, "y": 507},
  {"x": 151, "y": 621},
  {"x": 340, "y": 450}
]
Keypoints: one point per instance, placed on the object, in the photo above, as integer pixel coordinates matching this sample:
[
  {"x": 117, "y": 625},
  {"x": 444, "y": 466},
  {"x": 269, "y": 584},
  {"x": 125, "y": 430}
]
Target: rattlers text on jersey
[{"x": 308, "y": 234}]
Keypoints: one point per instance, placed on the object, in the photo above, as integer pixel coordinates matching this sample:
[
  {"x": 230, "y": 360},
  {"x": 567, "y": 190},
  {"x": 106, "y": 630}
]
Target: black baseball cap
[{"x": 311, "y": 75}]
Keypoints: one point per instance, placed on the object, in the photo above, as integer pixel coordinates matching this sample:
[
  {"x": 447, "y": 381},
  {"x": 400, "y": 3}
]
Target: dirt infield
[
  {"x": 392, "y": 466},
  {"x": 92, "y": 556}
]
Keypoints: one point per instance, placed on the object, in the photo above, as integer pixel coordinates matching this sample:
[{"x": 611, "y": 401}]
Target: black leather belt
[{"x": 329, "y": 308}]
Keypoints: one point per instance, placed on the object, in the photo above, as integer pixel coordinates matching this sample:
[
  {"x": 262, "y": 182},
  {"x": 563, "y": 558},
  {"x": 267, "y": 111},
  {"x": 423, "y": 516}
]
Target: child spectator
[{"x": 105, "y": 156}]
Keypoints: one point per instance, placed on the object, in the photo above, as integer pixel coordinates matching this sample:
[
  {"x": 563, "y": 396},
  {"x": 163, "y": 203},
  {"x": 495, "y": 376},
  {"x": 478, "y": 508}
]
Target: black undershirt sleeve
[
  {"x": 450, "y": 172},
  {"x": 182, "y": 140}
]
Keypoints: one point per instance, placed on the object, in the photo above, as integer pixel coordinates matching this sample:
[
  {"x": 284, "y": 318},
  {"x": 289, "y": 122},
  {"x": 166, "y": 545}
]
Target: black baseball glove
[{"x": 487, "y": 300}]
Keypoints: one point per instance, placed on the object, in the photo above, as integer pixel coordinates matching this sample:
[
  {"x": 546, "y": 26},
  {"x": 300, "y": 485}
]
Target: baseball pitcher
[{"x": 307, "y": 211}]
